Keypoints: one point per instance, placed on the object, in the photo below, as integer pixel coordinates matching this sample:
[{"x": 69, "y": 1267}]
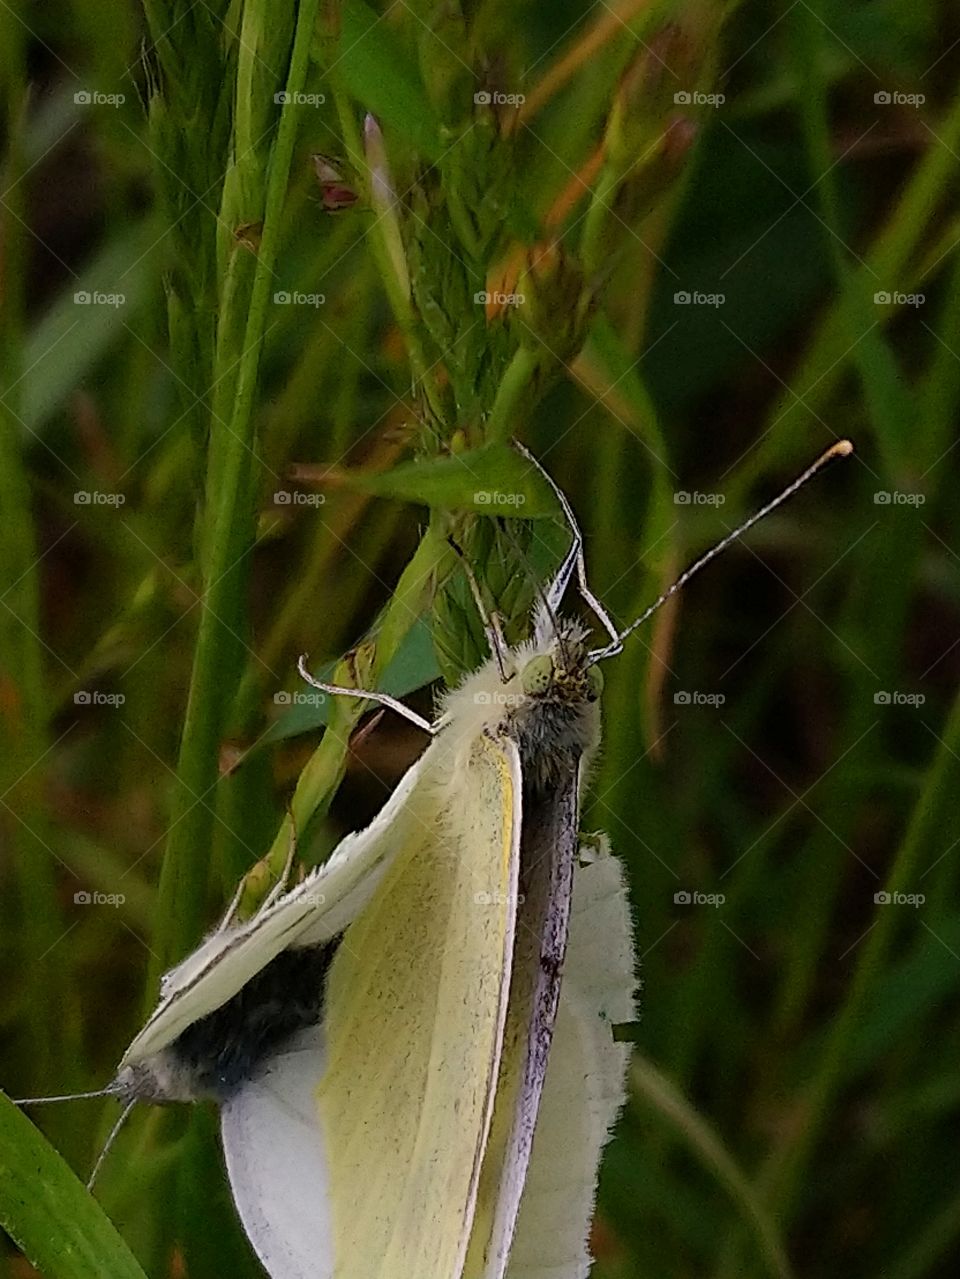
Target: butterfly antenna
[
  {"x": 843, "y": 448},
  {"x": 114, "y": 1133},
  {"x": 109, "y": 1091}
]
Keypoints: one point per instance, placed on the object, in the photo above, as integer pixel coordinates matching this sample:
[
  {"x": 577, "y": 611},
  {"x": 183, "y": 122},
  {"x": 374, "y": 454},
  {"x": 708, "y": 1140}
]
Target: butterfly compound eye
[
  {"x": 537, "y": 675},
  {"x": 594, "y": 683}
]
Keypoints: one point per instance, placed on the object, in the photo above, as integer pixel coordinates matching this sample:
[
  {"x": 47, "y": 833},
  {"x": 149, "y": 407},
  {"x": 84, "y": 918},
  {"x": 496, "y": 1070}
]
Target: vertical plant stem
[
  {"x": 514, "y": 387},
  {"x": 230, "y": 535},
  {"x": 386, "y": 245}
]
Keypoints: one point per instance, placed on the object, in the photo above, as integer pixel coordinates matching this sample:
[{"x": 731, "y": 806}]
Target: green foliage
[
  {"x": 293, "y": 423},
  {"x": 63, "y": 1231}
]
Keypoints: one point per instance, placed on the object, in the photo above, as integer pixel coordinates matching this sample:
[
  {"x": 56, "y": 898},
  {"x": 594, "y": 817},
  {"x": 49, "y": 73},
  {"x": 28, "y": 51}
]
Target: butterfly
[{"x": 413, "y": 1048}]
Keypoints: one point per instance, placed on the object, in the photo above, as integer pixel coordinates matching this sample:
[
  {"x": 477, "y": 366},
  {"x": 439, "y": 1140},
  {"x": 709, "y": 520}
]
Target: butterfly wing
[
  {"x": 584, "y": 1087},
  {"x": 413, "y": 1024},
  {"x": 547, "y": 853},
  {"x": 277, "y": 1162},
  {"x": 316, "y": 910}
]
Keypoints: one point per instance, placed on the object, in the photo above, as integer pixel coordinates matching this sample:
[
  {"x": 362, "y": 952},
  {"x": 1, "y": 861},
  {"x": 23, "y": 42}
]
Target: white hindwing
[
  {"x": 277, "y": 1163},
  {"x": 584, "y": 1088}
]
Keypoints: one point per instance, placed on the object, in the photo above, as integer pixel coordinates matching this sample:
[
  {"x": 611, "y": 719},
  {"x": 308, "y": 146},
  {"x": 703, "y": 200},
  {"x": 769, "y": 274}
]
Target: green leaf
[
  {"x": 384, "y": 78},
  {"x": 79, "y": 335},
  {"x": 57, "y": 1223},
  {"x": 492, "y": 480}
]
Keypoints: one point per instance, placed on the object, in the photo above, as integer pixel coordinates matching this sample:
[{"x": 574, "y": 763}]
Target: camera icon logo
[
  {"x": 281, "y": 497},
  {"x": 282, "y": 698},
  {"x": 881, "y": 899},
  {"x": 682, "y": 898},
  {"x": 681, "y": 298},
  {"x": 481, "y": 699},
  {"x": 882, "y": 97},
  {"x": 282, "y": 298},
  {"x": 282, "y": 98},
  {"x": 682, "y": 698},
  {"x": 482, "y": 98},
  {"x": 83, "y": 698},
  {"x": 683, "y": 97},
  {"x": 82, "y": 898},
  {"x": 83, "y": 97},
  {"x": 882, "y": 699}
]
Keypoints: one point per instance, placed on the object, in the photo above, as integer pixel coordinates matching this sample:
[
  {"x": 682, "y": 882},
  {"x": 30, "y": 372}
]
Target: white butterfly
[
  {"x": 408, "y": 1088},
  {"x": 379, "y": 1036}
]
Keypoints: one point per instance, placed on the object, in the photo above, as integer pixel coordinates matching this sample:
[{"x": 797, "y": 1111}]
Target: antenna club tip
[{"x": 842, "y": 448}]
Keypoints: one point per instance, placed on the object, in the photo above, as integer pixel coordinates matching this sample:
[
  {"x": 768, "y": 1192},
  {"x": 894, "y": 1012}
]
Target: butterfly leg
[
  {"x": 232, "y": 908},
  {"x": 573, "y": 561},
  {"x": 492, "y": 627},
  {"x": 382, "y": 699},
  {"x": 280, "y": 886}
]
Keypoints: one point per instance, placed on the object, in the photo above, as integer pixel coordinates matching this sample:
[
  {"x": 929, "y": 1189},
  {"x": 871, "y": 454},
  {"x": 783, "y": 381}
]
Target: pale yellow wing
[
  {"x": 415, "y": 1010},
  {"x": 316, "y": 911}
]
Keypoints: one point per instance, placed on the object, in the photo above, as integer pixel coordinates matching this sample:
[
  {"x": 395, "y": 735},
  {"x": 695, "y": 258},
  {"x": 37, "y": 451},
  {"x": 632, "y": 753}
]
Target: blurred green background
[{"x": 676, "y": 248}]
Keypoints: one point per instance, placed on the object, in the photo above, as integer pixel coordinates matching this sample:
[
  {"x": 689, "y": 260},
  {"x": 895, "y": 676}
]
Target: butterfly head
[
  {"x": 551, "y": 708},
  {"x": 563, "y": 673}
]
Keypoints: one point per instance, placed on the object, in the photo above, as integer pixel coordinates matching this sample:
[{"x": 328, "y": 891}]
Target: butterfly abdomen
[{"x": 218, "y": 1053}]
